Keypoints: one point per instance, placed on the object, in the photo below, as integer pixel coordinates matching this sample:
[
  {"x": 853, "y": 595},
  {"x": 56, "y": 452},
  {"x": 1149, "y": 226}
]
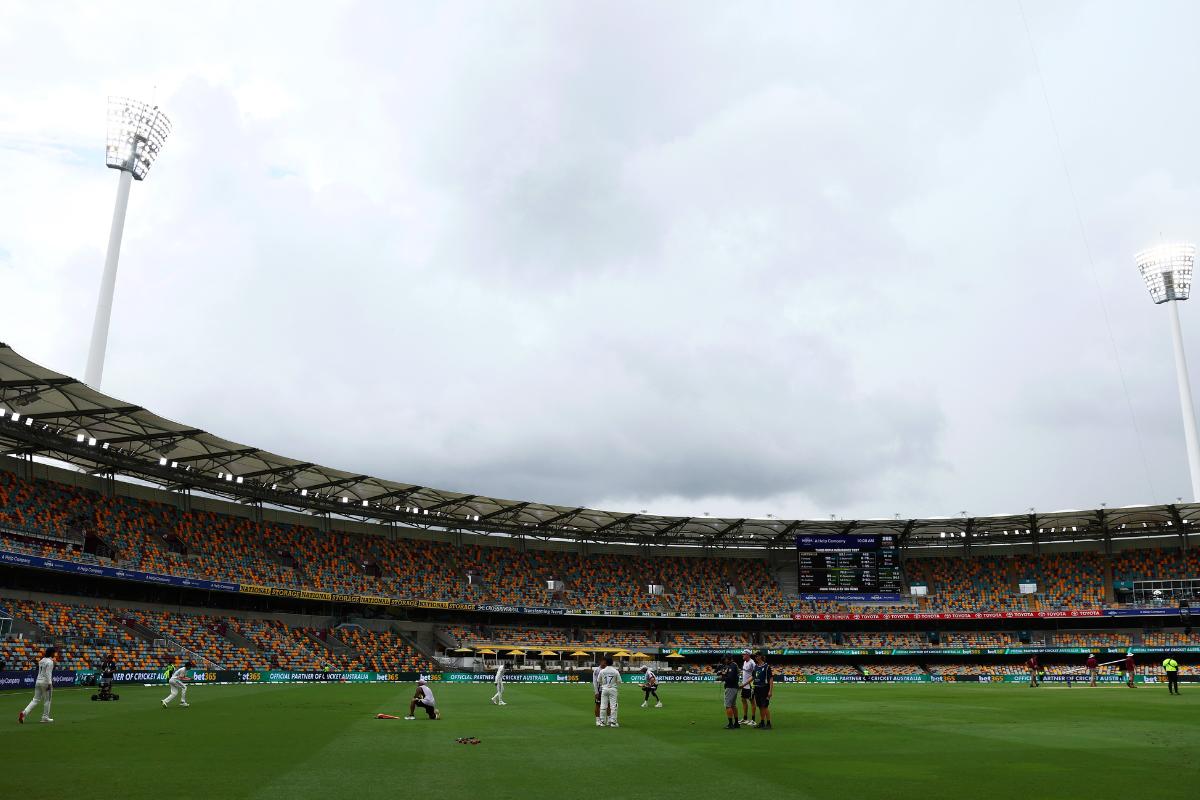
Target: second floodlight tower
[
  {"x": 136, "y": 134},
  {"x": 1167, "y": 270}
]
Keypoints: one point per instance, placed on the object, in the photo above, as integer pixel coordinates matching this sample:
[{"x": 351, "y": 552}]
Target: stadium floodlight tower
[
  {"x": 136, "y": 133},
  {"x": 1167, "y": 270}
]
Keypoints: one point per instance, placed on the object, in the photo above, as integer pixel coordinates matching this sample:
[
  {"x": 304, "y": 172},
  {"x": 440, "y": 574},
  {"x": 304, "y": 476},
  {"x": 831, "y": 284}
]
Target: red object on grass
[{"x": 385, "y": 716}]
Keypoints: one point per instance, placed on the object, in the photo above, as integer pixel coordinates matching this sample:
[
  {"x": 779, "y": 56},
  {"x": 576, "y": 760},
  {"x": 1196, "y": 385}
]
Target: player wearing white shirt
[
  {"x": 650, "y": 687},
  {"x": 43, "y": 686},
  {"x": 424, "y": 699},
  {"x": 748, "y": 706},
  {"x": 498, "y": 697},
  {"x": 178, "y": 685},
  {"x": 610, "y": 681},
  {"x": 596, "y": 691}
]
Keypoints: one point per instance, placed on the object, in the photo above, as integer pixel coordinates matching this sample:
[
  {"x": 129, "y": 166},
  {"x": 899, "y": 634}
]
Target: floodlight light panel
[
  {"x": 1167, "y": 270},
  {"x": 136, "y": 134}
]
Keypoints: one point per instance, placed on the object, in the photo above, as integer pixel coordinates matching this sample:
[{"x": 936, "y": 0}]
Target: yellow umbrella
[
  {"x": 487, "y": 652},
  {"x": 463, "y": 650},
  {"x": 674, "y": 655},
  {"x": 548, "y": 653},
  {"x": 621, "y": 654},
  {"x": 579, "y": 653},
  {"x": 641, "y": 655},
  {"x": 516, "y": 653}
]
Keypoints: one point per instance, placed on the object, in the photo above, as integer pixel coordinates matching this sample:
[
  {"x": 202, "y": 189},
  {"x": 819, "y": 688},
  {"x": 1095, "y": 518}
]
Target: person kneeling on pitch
[
  {"x": 178, "y": 687},
  {"x": 424, "y": 699}
]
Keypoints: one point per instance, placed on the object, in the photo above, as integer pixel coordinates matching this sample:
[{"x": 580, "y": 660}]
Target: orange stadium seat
[
  {"x": 87, "y": 634},
  {"x": 49, "y": 519}
]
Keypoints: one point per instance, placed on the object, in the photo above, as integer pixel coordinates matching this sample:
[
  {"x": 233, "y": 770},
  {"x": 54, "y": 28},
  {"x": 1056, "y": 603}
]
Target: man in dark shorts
[
  {"x": 650, "y": 687},
  {"x": 764, "y": 688},
  {"x": 748, "y": 692},
  {"x": 731, "y": 677},
  {"x": 1032, "y": 666},
  {"x": 423, "y": 699},
  {"x": 1171, "y": 667}
]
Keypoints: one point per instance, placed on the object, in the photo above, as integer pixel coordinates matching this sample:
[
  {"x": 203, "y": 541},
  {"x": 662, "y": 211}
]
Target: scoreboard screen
[{"x": 849, "y": 565}]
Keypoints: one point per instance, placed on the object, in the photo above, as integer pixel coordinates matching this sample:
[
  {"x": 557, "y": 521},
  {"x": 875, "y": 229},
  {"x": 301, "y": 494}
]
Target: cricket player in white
[
  {"x": 43, "y": 686},
  {"x": 650, "y": 687},
  {"x": 596, "y": 691},
  {"x": 747, "y": 692},
  {"x": 424, "y": 699},
  {"x": 178, "y": 686},
  {"x": 498, "y": 697},
  {"x": 610, "y": 681}
]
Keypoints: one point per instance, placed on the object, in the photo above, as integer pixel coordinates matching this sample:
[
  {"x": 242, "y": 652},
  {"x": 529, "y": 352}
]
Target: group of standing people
[
  {"x": 43, "y": 685},
  {"x": 1092, "y": 665},
  {"x": 754, "y": 680},
  {"x": 606, "y": 680}
]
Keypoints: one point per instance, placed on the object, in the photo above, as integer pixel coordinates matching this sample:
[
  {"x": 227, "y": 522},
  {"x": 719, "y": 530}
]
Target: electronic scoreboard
[{"x": 848, "y": 564}]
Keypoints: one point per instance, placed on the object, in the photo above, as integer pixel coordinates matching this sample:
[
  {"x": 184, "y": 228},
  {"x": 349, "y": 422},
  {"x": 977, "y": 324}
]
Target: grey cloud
[{"x": 804, "y": 259}]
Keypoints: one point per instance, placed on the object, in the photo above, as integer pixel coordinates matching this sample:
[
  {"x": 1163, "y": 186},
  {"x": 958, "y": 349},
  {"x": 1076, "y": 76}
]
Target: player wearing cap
[
  {"x": 1171, "y": 667},
  {"x": 424, "y": 699},
  {"x": 1093, "y": 667},
  {"x": 498, "y": 697},
  {"x": 178, "y": 687},
  {"x": 731, "y": 676},
  {"x": 43, "y": 686},
  {"x": 1130, "y": 670},
  {"x": 748, "y": 706},
  {"x": 610, "y": 681},
  {"x": 1032, "y": 666},
  {"x": 650, "y": 687},
  {"x": 764, "y": 690}
]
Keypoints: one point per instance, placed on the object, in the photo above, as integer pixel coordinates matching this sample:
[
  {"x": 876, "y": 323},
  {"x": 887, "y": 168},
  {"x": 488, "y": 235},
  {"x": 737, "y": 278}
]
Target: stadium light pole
[
  {"x": 1167, "y": 271},
  {"x": 136, "y": 134}
]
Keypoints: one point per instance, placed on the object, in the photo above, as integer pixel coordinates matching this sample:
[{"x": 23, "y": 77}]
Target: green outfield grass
[{"x": 321, "y": 741}]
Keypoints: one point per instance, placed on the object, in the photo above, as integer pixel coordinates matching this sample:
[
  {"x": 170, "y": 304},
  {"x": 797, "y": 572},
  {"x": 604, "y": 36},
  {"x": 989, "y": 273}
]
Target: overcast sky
[{"x": 797, "y": 259}]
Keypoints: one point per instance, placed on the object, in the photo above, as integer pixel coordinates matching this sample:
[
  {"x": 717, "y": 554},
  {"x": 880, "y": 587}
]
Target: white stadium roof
[{"x": 46, "y": 414}]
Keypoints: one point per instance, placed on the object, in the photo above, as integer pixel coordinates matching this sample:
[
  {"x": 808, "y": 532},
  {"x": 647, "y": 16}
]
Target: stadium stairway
[
  {"x": 172, "y": 644},
  {"x": 28, "y": 630},
  {"x": 786, "y": 579},
  {"x": 197, "y": 658},
  {"x": 241, "y": 641},
  {"x": 178, "y": 647},
  {"x": 327, "y": 641},
  {"x": 444, "y": 638},
  {"x": 455, "y": 568},
  {"x": 141, "y": 631},
  {"x": 738, "y": 587},
  {"x": 427, "y": 652}
]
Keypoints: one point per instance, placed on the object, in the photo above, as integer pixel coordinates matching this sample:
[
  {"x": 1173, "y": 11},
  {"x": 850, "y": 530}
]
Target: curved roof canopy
[{"x": 44, "y": 413}]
